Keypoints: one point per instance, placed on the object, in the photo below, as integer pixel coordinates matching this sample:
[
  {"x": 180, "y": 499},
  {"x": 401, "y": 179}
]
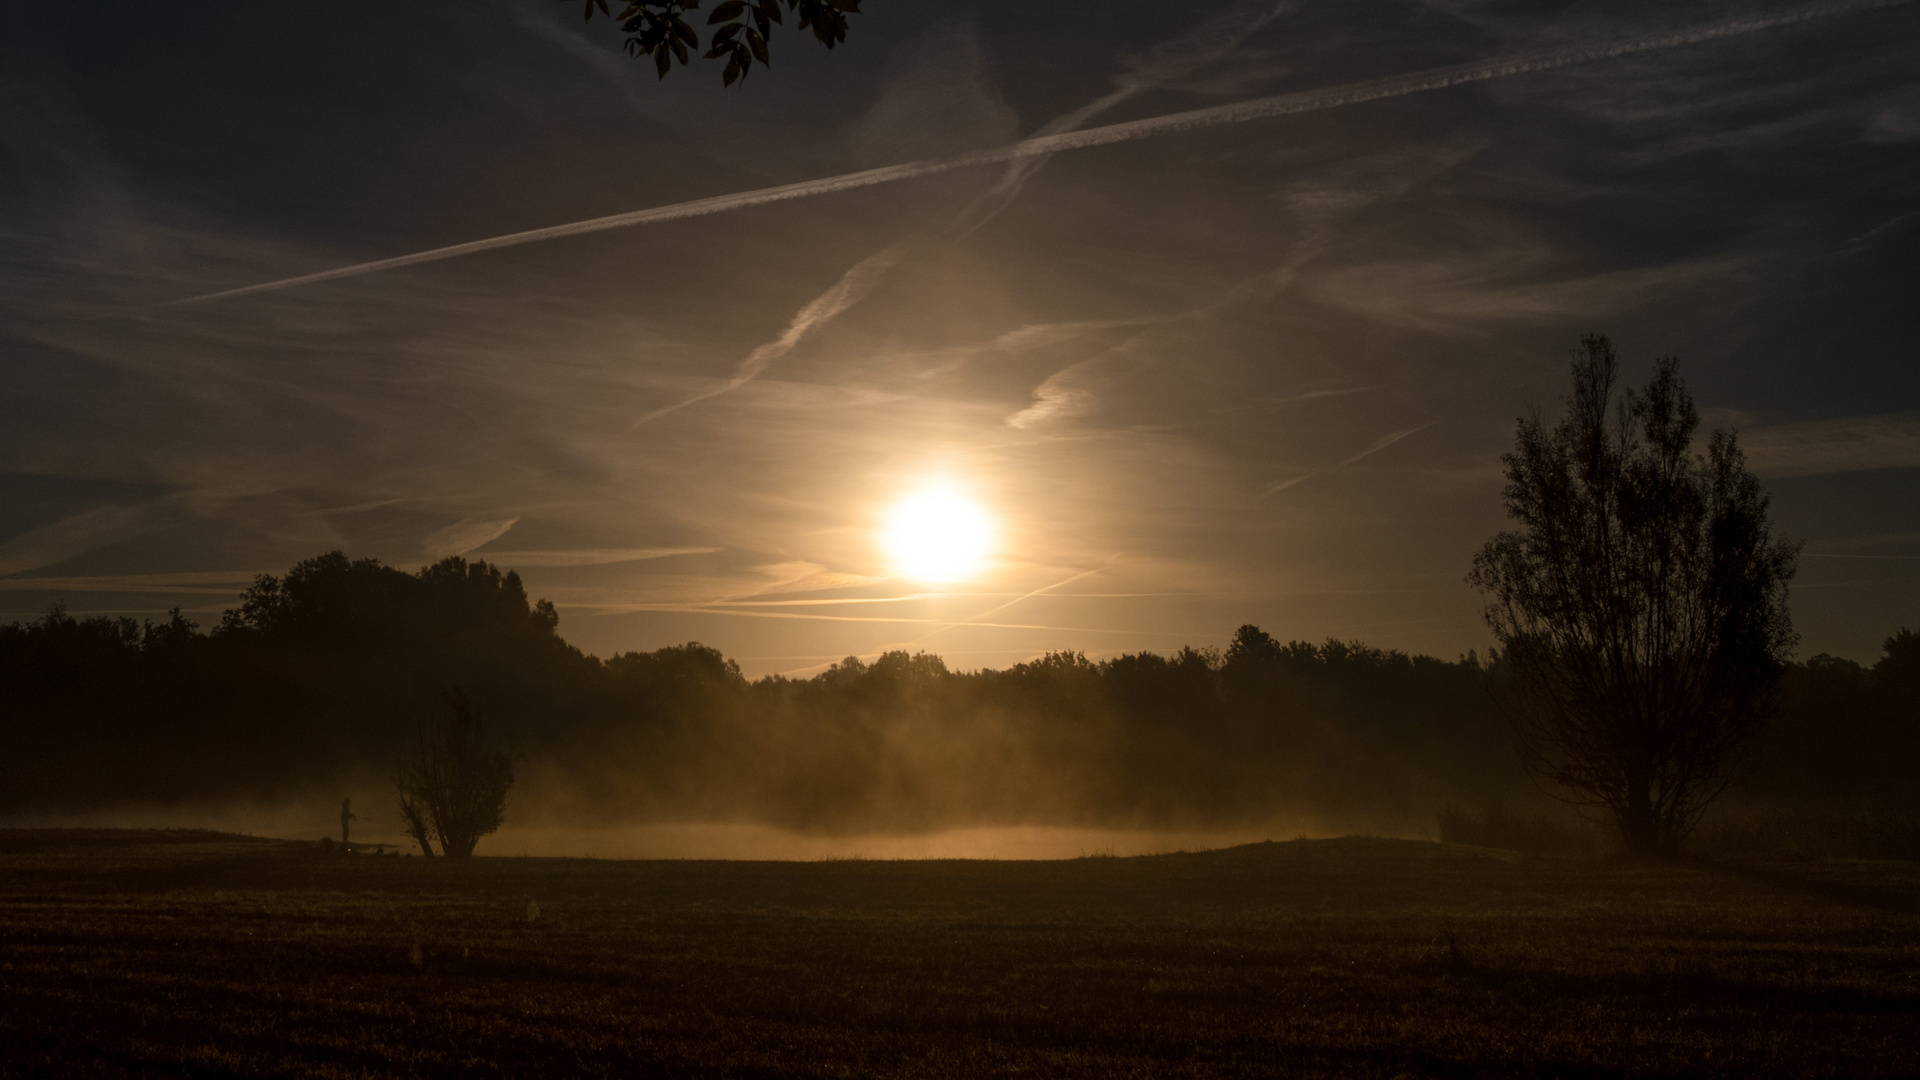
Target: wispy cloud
[
  {"x": 854, "y": 286},
  {"x": 464, "y": 536},
  {"x": 1177, "y": 58},
  {"x": 215, "y": 582},
  {"x": 1508, "y": 284},
  {"x": 1045, "y": 145},
  {"x": 72, "y": 536},
  {"x": 586, "y": 556},
  {"x": 1848, "y": 444},
  {"x": 1066, "y": 393},
  {"x": 1286, "y": 293},
  {"x": 796, "y": 576}
]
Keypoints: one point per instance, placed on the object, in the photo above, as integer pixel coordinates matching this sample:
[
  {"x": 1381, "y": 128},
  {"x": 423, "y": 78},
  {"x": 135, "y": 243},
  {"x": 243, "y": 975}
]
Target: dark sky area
[{"x": 1261, "y": 372}]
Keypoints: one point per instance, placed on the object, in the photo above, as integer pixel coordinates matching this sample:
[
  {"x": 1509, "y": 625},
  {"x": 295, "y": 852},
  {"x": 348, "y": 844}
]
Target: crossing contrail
[
  {"x": 1188, "y": 53},
  {"x": 1238, "y": 113}
]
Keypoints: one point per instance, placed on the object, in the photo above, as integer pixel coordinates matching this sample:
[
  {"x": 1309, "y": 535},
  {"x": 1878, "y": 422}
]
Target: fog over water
[{"x": 310, "y": 820}]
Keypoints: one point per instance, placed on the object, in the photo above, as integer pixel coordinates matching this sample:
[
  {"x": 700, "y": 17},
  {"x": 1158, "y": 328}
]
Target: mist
[{"x": 316, "y": 683}]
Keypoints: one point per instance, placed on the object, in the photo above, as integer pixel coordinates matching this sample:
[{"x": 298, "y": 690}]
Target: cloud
[
  {"x": 1439, "y": 294},
  {"x": 586, "y": 556},
  {"x": 1018, "y": 342},
  {"x": 1067, "y": 393},
  {"x": 1315, "y": 395},
  {"x": 72, "y": 536},
  {"x": 218, "y": 582},
  {"x": 854, "y": 286},
  {"x": 1849, "y": 444},
  {"x": 1075, "y": 390},
  {"x": 799, "y": 576},
  {"x": 1442, "y": 249},
  {"x": 1152, "y": 127},
  {"x": 463, "y": 536},
  {"x": 1879, "y": 232},
  {"x": 939, "y": 98},
  {"x": 1895, "y": 124},
  {"x": 1170, "y": 60}
]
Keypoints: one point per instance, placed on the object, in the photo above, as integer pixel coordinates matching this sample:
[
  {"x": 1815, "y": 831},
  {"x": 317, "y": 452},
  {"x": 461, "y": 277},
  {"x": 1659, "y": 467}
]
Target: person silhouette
[{"x": 346, "y": 815}]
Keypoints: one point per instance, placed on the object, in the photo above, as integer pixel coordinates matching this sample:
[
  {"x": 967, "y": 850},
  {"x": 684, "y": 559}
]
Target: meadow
[{"x": 127, "y": 953}]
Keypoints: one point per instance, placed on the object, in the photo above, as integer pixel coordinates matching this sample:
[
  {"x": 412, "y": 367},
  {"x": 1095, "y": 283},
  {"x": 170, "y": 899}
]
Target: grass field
[{"x": 126, "y": 953}]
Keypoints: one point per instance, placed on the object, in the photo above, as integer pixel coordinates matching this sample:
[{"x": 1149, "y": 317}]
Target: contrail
[
  {"x": 1375, "y": 447},
  {"x": 859, "y": 282},
  {"x": 853, "y": 287},
  {"x": 1257, "y": 109},
  {"x": 1180, "y": 57},
  {"x": 1062, "y": 583},
  {"x": 974, "y": 620}
]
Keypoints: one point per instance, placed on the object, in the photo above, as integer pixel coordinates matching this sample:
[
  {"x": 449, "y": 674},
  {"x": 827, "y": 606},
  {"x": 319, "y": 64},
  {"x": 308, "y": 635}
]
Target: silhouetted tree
[
  {"x": 453, "y": 787},
  {"x": 1845, "y": 738},
  {"x": 1641, "y": 604},
  {"x": 1898, "y": 671},
  {"x": 413, "y": 820},
  {"x": 658, "y": 28}
]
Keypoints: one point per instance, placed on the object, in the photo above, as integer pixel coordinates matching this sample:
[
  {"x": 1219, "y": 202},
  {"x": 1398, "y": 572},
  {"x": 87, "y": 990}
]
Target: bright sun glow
[{"x": 937, "y": 534}]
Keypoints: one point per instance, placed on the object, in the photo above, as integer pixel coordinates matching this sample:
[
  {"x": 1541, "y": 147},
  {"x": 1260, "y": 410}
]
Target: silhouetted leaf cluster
[{"x": 659, "y": 29}]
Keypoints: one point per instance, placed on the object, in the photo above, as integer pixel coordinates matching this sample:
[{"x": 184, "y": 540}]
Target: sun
[{"x": 937, "y": 534}]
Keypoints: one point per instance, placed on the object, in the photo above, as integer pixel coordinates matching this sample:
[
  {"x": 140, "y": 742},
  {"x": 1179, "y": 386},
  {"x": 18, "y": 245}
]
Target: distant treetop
[{"x": 658, "y": 28}]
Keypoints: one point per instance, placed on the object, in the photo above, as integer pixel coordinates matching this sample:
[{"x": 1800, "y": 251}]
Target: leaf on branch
[
  {"x": 659, "y": 31},
  {"x": 828, "y": 24}
]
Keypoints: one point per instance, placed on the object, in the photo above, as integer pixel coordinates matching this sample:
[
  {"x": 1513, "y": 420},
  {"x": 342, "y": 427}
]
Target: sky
[{"x": 1248, "y": 372}]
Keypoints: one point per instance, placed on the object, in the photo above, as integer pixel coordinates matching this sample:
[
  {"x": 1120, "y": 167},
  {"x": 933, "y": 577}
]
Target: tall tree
[
  {"x": 453, "y": 787},
  {"x": 1641, "y": 604}
]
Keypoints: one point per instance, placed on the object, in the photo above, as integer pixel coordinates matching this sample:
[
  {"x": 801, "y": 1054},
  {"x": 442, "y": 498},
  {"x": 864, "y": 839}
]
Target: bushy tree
[
  {"x": 453, "y": 787},
  {"x": 1641, "y": 604}
]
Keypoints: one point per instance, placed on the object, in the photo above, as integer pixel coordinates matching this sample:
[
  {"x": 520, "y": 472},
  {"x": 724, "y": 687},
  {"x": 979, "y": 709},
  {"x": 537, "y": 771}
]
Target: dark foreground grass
[{"x": 197, "y": 954}]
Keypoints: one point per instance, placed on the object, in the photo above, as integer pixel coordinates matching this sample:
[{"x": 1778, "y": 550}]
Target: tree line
[
  {"x": 327, "y": 673},
  {"x": 330, "y": 671}
]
